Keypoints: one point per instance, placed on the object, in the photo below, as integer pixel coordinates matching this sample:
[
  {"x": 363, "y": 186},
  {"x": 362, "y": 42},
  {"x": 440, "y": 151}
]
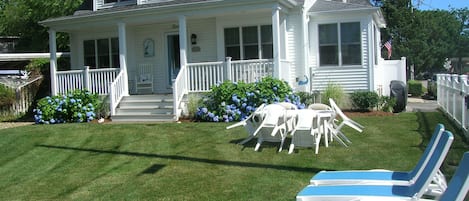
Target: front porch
[
  {"x": 194, "y": 77},
  {"x": 186, "y": 52}
]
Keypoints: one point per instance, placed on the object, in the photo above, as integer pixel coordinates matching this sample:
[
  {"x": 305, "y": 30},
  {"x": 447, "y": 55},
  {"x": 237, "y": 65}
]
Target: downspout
[{"x": 305, "y": 44}]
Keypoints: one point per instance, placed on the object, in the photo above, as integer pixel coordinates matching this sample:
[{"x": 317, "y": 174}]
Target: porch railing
[
  {"x": 117, "y": 91},
  {"x": 453, "y": 97},
  {"x": 95, "y": 80},
  {"x": 179, "y": 89},
  {"x": 202, "y": 76}
]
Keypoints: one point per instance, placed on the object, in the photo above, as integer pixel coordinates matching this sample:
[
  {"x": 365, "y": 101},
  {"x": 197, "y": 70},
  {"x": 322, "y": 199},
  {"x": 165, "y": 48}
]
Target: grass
[{"x": 194, "y": 161}]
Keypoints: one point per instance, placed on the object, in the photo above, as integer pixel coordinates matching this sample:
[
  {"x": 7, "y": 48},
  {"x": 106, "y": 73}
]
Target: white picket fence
[
  {"x": 453, "y": 98},
  {"x": 25, "y": 96}
]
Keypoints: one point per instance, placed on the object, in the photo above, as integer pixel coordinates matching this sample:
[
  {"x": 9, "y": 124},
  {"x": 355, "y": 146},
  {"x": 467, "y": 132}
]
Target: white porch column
[
  {"x": 53, "y": 61},
  {"x": 123, "y": 55},
  {"x": 305, "y": 45},
  {"x": 183, "y": 40},
  {"x": 276, "y": 40}
]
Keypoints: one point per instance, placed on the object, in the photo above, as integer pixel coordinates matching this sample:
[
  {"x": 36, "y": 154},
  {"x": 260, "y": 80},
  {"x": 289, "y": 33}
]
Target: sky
[{"x": 440, "y": 4}]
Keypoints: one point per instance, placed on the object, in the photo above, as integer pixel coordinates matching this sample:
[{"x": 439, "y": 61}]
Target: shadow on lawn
[{"x": 186, "y": 158}]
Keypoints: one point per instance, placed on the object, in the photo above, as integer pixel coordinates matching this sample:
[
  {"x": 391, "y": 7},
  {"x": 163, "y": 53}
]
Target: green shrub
[
  {"x": 194, "y": 101},
  {"x": 235, "y": 101},
  {"x": 305, "y": 97},
  {"x": 103, "y": 108},
  {"x": 364, "y": 100},
  {"x": 7, "y": 95},
  {"x": 76, "y": 106},
  {"x": 386, "y": 103},
  {"x": 333, "y": 91},
  {"x": 415, "y": 88}
]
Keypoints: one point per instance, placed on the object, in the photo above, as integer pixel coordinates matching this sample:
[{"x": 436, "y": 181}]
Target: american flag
[{"x": 388, "y": 46}]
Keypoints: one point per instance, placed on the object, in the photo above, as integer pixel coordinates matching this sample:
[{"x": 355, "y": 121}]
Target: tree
[
  {"x": 21, "y": 17},
  {"x": 426, "y": 38},
  {"x": 462, "y": 47}
]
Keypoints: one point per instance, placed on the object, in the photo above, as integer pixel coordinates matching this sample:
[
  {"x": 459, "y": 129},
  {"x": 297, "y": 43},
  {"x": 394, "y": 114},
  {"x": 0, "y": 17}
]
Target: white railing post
[
  {"x": 455, "y": 86},
  {"x": 111, "y": 99},
  {"x": 464, "y": 104},
  {"x": 227, "y": 69},
  {"x": 447, "y": 90},
  {"x": 86, "y": 78}
]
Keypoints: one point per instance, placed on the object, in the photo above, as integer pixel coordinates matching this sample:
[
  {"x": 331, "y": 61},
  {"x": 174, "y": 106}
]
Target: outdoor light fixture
[{"x": 193, "y": 39}]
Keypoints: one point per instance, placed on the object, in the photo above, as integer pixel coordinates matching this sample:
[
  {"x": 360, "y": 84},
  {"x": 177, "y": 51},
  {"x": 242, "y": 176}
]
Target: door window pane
[
  {"x": 103, "y": 53},
  {"x": 267, "y": 42},
  {"x": 115, "y": 53},
  {"x": 350, "y": 43},
  {"x": 250, "y": 43},
  {"x": 328, "y": 44},
  {"x": 89, "y": 53},
  {"x": 328, "y": 34},
  {"x": 232, "y": 46}
]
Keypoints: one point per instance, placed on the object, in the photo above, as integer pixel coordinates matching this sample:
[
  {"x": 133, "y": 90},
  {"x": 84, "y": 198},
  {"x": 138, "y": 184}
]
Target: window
[
  {"x": 101, "y": 53},
  {"x": 114, "y": 1},
  {"x": 339, "y": 44},
  {"x": 252, "y": 42}
]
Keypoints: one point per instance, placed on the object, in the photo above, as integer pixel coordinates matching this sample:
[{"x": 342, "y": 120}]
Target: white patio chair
[
  {"x": 380, "y": 177},
  {"x": 458, "y": 186},
  {"x": 326, "y": 115},
  {"x": 272, "y": 127},
  {"x": 306, "y": 131},
  {"x": 345, "y": 121},
  {"x": 290, "y": 115},
  {"x": 144, "y": 78},
  {"x": 251, "y": 123},
  {"x": 415, "y": 191}
]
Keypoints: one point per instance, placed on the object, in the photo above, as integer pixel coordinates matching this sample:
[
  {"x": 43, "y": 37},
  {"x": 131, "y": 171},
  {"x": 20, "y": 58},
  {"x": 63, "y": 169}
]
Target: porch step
[{"x": 145, "y": 108}]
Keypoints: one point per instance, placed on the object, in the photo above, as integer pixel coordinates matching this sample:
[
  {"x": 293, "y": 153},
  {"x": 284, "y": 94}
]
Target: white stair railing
[
  {"x": 117, "y": 91},
  {"x": 179, "y": 90}
]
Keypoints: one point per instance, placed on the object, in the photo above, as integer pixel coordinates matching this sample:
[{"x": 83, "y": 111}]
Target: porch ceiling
[{"x": 161, "y": 12}]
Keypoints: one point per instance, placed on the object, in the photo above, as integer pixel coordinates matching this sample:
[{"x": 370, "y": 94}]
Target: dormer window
[{"x": 114, "y": 1}]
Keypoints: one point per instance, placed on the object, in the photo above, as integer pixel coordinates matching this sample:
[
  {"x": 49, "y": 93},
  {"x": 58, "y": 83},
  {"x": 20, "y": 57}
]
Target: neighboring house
[
  {"x": 183, "y": 46},
  {"x": 8, "y": 44}
]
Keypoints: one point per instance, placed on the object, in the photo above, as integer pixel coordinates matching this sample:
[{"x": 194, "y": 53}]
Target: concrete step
[
  {"x": 145, "y": 108},
  {"x": 143, "y": 111},
  {"x": 143, "y": 118}
]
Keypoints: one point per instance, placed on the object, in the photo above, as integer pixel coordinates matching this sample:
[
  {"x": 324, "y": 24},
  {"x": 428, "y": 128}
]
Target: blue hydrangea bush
[
  {"x": 235, "y": 101},
  {"x": 76, "y": 106}
]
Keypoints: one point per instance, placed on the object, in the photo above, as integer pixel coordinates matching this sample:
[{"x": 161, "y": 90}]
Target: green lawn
[{"x": 194, "y": 161}]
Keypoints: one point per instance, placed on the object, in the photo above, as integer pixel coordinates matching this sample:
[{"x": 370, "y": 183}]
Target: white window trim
[
  {"x": 339, "y": 44},
  {"x": 96, "y": 53},
  {"x": 241, "y": 43}
]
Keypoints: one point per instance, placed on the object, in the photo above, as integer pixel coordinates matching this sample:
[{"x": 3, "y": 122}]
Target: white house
[{"x": 132, "y": 47}]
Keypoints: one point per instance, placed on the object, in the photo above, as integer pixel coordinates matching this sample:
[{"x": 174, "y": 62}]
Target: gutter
[
  {"x": 105, "y": 13},
  {"x": 29, "y": 56},
  {"x": 346, "y": 10}
]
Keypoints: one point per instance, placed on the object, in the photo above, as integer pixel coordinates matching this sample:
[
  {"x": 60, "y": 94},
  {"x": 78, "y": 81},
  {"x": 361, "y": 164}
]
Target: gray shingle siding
[{"x": 335, "y": 5}]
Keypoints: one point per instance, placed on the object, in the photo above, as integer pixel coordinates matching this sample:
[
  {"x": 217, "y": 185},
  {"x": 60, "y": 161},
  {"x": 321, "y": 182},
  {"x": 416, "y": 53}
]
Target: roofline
[
  {"x": 49, "y": 22},
  {"x": 134, "y": 11},
  {"x": 312, "y": 13}
]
